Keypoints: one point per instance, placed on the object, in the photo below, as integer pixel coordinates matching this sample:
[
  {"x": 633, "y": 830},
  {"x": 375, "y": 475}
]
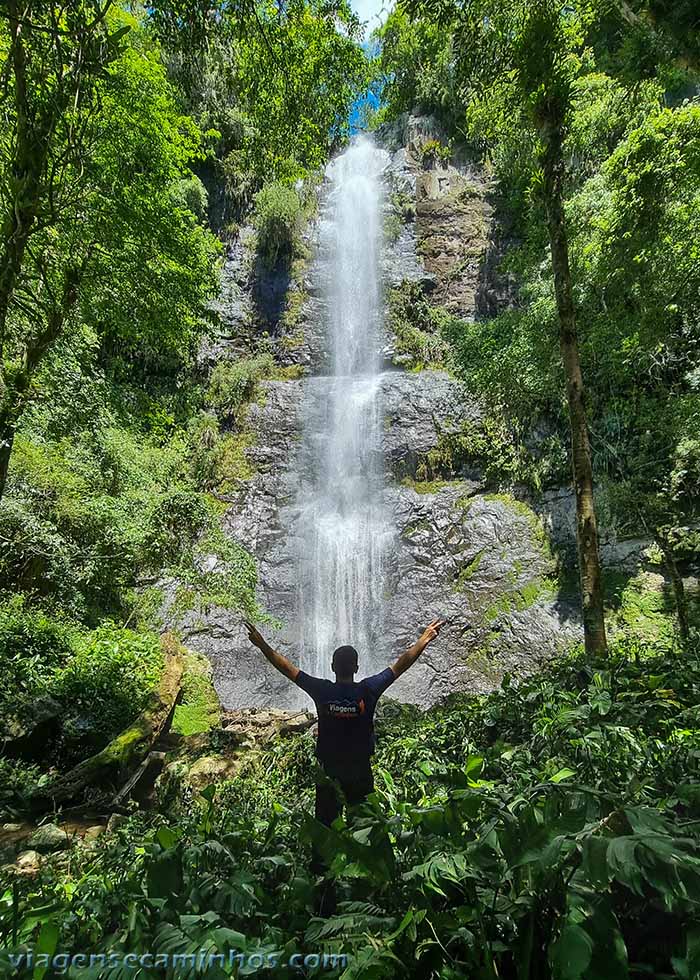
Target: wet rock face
[
  {"x": 557, "y": 509},
  {"x": 452, "y": 237},
  {"x": 481, "y": 563},
  {"x": 418, "y": 410},
  {"x": 453, "y": 216},
  {"x": 262, "y": 520}
]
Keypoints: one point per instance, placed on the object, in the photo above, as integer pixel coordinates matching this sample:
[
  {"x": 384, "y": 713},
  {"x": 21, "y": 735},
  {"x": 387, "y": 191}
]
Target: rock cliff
[{"x": 481, "y": 557}]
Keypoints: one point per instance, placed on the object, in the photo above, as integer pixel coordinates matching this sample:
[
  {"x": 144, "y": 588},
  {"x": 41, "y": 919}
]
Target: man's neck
[{"x": 348, "y": 679}]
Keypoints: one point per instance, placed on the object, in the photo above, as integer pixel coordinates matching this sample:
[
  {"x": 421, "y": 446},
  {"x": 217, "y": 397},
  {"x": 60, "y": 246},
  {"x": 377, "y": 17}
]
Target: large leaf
[
  {"x": 570, "y": 953},
  {"x": 46, "y": 944},
  {"x": 164, "y": 875}
]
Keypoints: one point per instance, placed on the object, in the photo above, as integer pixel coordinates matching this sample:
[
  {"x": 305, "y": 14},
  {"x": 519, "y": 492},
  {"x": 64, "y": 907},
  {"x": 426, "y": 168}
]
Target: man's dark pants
[
  {"x": 355, "y": 781},
  {"x": 345, "y": 785}
]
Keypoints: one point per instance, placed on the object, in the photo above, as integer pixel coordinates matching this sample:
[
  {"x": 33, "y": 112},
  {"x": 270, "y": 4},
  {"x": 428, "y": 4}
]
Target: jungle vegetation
[{"x": 549, "y": 829}]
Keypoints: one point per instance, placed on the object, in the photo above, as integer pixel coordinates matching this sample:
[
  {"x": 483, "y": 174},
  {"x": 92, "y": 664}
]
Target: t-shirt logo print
[{"x": 345, "y": 709}]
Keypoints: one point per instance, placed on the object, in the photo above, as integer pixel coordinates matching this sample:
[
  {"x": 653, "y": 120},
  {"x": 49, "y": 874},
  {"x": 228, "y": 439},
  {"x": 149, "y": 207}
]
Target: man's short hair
[{"x": 344, "y": 660}]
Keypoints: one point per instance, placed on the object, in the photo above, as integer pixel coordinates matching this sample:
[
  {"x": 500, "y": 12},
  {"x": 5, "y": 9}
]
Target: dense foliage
[
  {"x": 630, "y": 122},
  {"x": 272, "y": 95},
  {"x": 115, "y": 439},
  {"x": 85, "y": 685},
  {"x": 120, "y": 447},
  {"x": 547, "y": 830}
]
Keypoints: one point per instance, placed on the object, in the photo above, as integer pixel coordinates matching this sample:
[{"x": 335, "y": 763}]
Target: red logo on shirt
[{"x": 345, "y": 709}]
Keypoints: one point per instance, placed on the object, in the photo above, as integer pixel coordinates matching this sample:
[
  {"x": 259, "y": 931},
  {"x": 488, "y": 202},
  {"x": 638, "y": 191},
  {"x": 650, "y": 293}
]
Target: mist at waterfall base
[{"x": 345, "y": 535}]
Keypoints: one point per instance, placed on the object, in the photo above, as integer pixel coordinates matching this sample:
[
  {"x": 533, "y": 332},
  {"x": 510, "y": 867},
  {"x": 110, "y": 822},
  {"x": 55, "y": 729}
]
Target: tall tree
[
  {"x": 278, "y": 93},
  {"x": 53, "y": 57},
  {"x": 91, "y": 148},
  {"x": 529, "y": 53}
]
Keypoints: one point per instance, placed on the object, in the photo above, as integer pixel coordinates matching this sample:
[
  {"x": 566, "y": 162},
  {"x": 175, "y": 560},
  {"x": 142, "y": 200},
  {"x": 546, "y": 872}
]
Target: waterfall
[{"x": 345, "y": 534}]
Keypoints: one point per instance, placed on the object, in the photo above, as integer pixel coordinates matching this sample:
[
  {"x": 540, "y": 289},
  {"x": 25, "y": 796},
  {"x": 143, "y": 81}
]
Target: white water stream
[{"x": 345, "y": 534}]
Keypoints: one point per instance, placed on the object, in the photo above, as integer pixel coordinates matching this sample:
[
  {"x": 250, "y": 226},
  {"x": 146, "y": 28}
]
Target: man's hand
[
  {"x": 408, "y": 658},
  {"x": 254, "y": 635},
  {"x": 431, "y": 631},
  {"x": 284, "y": 666}
]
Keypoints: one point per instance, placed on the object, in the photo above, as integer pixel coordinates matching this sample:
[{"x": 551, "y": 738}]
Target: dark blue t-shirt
[{"x": 345, "y": 715}]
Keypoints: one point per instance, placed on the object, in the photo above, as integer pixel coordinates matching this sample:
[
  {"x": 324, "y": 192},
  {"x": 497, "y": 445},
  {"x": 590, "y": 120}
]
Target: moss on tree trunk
[
  {"x": 586, "y": 526},
  {"x": 130, "y": 747}
]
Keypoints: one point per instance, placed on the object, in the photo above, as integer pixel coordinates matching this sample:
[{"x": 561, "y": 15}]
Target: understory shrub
[
  {"x": 548, "y": 830},
  {"x": 33, "y": 647},
  {"x": 100, "y": 679},
  {"x": 173, "y": 524},
  {"x": 278, "y": 214},
  {"x": 79, "y": 518},
  {"x": 85, "y": 521},
  {"x": 418, "y": 327},
  {"x": 104, "y": 686},
  {"x": 233, "y": 382}
]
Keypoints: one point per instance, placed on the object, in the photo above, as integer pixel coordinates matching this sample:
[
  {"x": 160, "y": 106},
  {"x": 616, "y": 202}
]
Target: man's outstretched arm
[
  {"x": 408, "y": 658},
  {"x": 284, "y": 666}
]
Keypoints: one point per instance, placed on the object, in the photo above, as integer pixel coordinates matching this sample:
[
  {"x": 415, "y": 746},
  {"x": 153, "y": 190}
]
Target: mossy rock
[
  {"x": 296, "y": 298},
  {"x": 469, "y": 570},
  {"x": 521, "y": 599},
  {"x": 233, "y": 466},
  {"x": 293, "y": 341},
  {"x": 426, "y": 486},
  {"x": 199, "y": 709},
  {"x": 520, "y": 508}
]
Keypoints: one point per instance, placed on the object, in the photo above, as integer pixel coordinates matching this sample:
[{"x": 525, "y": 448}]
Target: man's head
[{"x": 344, "y": 663}]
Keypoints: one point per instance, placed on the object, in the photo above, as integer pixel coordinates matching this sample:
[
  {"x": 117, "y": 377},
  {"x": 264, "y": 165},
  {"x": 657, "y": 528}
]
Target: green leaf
[
  {"x": 570, "y": 953},
  {"x": 167, "y": 837},
  {"x": 46, "y": 945},
  {"x": 595, "y": 861},
  {"x": 164, "y": 875},
  {"x": 474, "y": 765},
  {"x": 564, "y": 773},
  {"x": 623, "y": 863}
]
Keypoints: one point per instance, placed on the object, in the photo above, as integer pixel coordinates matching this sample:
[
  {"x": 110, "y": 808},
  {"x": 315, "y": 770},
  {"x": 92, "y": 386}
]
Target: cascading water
[{"x": 344, "y": 531}]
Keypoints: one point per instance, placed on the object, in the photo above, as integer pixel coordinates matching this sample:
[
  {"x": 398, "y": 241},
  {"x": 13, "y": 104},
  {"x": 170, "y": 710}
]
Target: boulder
[
  {"x": 211, "y": 769},
  {"x": 94, "y": 833},
  {"x": 8, "y": 850},
  {"x": 28, "y": 862},
  {"x": 115, "y": 821},
  {"x": 49, "y": 837},
  {"x": 28, "y": 737},
  {"x": 260, "y": 725}
]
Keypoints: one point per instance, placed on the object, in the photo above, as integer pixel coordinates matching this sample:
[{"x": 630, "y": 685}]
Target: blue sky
[{"x": 373, "y": 11}]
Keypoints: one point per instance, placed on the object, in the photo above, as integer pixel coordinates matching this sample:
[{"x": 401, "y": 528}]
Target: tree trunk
[
  {"x": 16, "y": 394},
  {"x": 586, "y": 527},
  {"x": 131, "y": 746},
  {"x": 7, "y": 438},
  {"x": 26, "y": 167}
]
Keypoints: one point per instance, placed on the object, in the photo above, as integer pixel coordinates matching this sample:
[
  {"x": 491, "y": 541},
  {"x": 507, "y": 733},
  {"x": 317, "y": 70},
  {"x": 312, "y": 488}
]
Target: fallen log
[
  {"x": 131, "y": 746},
  {"x": 152, "y": 761}
]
